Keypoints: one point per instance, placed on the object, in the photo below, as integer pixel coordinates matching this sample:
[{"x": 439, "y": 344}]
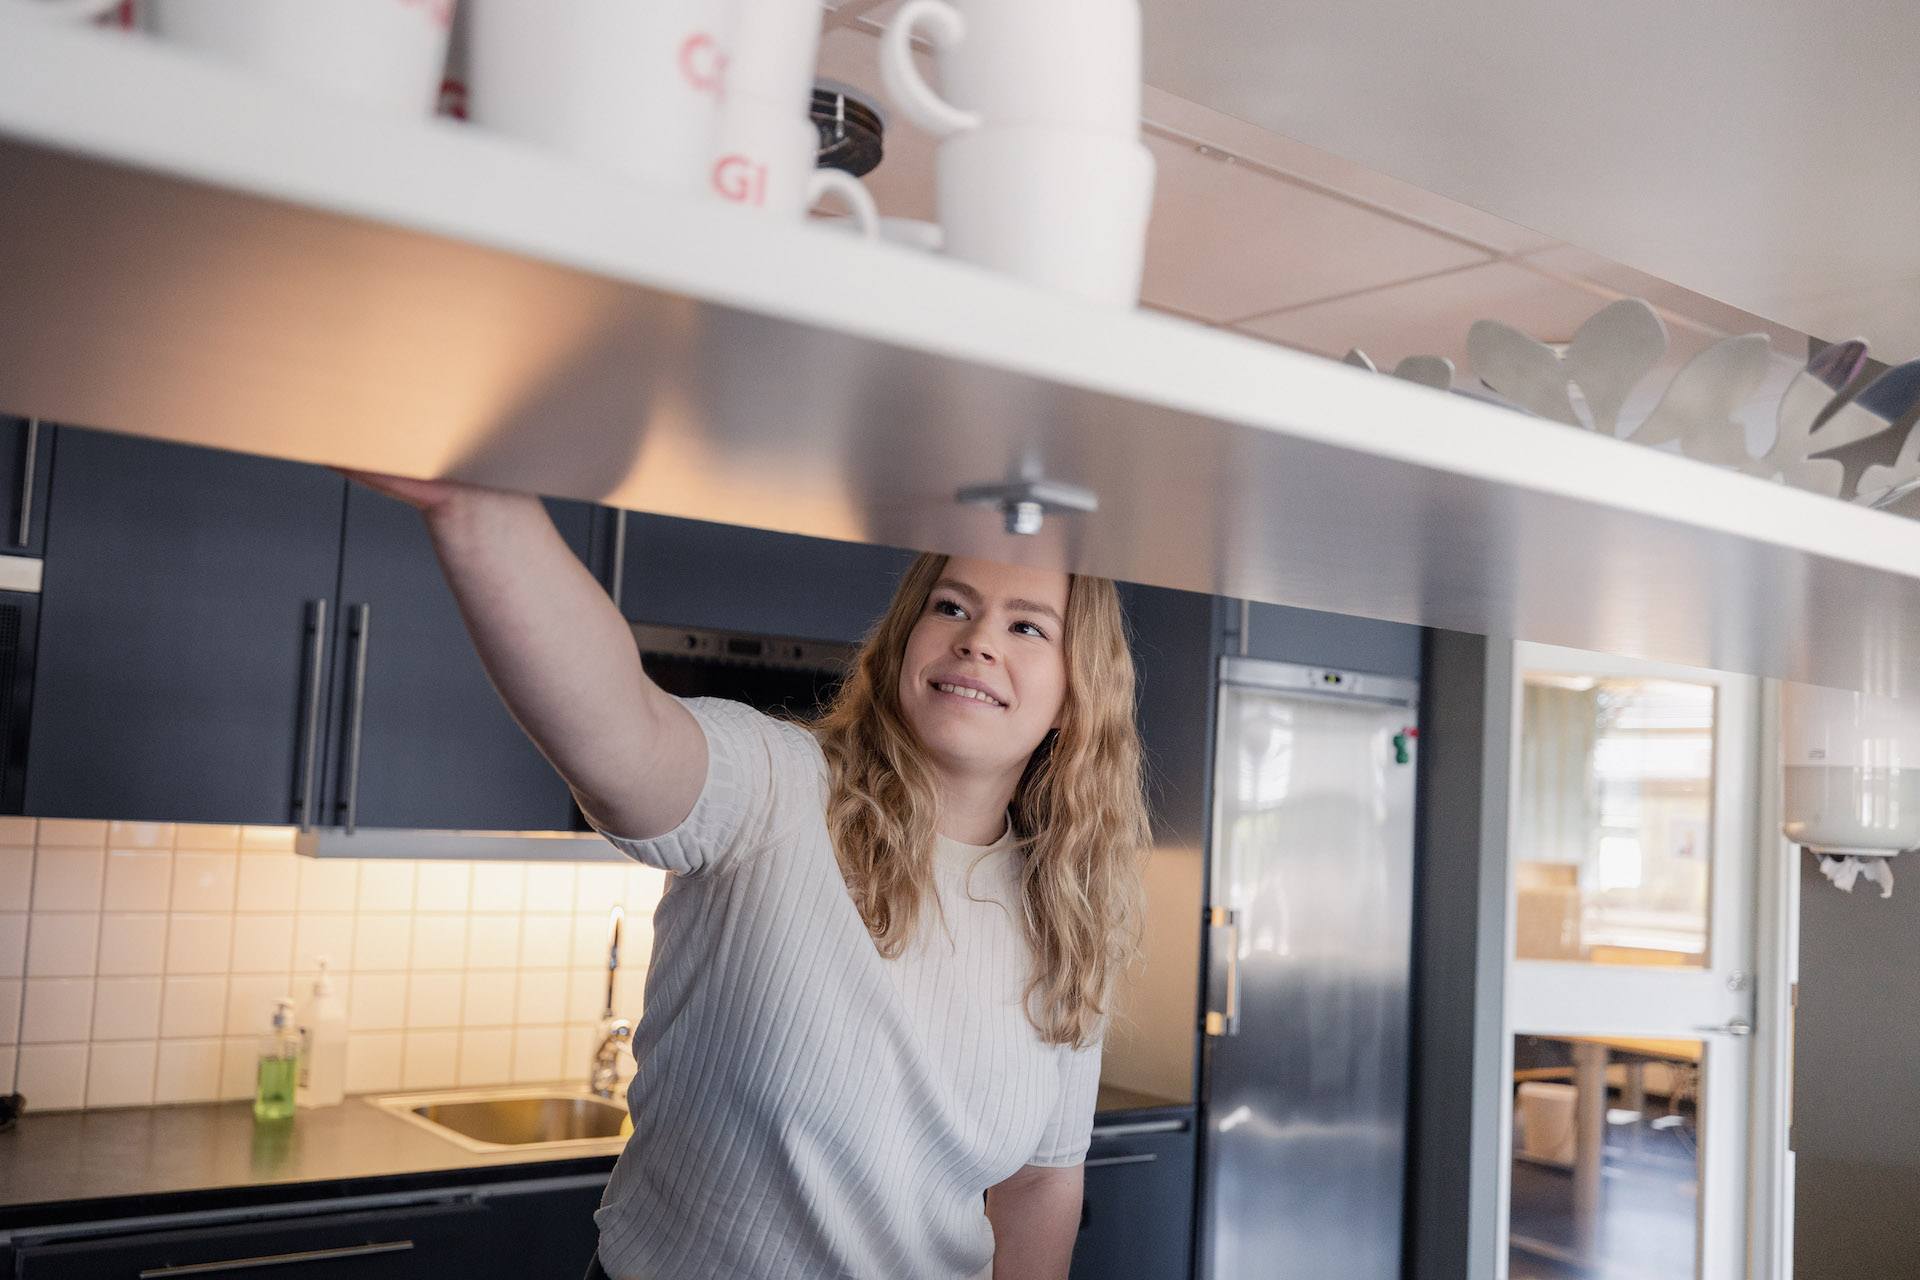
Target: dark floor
[{"x": 1649, "y": 1210}]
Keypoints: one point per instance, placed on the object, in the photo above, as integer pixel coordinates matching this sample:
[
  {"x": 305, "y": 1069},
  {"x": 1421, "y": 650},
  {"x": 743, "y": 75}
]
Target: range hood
[{"x": 193, "y": 256}]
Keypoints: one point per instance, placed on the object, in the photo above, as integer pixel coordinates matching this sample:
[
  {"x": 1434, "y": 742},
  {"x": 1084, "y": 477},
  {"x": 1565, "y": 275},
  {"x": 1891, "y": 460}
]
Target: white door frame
[{"x": 1752, "y": 899}]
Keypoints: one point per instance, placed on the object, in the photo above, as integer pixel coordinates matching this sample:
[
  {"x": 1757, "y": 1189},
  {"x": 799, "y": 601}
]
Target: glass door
[{"x": 1630, "y": 991}]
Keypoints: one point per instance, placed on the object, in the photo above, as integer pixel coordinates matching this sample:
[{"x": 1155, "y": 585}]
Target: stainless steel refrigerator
[{"x": 1309, "y": 920}]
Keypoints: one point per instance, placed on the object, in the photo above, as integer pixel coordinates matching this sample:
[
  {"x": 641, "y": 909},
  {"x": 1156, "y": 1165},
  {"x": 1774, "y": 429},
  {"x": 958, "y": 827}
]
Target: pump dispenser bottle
[
  {"x": 323, "y": 1038},
  {"x": 279, "y": 1069}
]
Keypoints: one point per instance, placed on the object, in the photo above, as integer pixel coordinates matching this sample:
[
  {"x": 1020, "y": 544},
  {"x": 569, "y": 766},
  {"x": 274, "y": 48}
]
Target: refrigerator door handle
[{"x": 1225, "y": 1022}]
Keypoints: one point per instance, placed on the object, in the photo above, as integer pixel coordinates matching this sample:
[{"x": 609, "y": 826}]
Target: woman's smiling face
[{"x": 985, "y": 672}]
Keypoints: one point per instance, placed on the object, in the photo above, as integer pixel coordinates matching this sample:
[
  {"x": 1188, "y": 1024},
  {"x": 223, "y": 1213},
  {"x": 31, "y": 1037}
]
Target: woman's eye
[
  {"x": 948, "y": 609},
  {"x": 1029, "y": 629}
]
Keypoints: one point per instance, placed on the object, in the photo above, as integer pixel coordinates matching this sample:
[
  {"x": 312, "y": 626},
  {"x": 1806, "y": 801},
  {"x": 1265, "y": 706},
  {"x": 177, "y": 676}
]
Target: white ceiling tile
[
  {"x": 1228, "y": 240},
  {"x": 1325, "y": 169}
]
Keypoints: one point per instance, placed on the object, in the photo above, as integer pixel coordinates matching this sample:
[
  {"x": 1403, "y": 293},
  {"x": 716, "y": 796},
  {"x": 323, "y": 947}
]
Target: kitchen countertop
[
  {"x": 67, "y": 1165},
  {"x": 213, "y": 1156}
]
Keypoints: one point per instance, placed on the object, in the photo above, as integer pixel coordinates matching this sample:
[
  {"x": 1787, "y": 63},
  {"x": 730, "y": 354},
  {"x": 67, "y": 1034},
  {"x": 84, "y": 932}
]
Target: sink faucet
[{"x": 615, "y": 1033}]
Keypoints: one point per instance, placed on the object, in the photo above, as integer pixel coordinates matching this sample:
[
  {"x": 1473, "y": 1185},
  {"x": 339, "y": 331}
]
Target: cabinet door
[
  {"x": 689, "y": 573},
  {"x": 1136, "y": 1222},
  {"x": 418, "y": 737},
  {"x": 175, "y": 666},
  {"x": 26, "y": 449}
]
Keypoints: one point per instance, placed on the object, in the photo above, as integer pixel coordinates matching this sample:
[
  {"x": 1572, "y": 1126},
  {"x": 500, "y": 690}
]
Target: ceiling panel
[
  {"x": 1228, "y": 240},
  {"x": 1750, "y": 153}
]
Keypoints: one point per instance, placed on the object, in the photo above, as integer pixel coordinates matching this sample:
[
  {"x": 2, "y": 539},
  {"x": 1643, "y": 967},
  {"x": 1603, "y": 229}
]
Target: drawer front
[
  {"x": 1136, "y": 1220},
  {"x": 443, "y": 1239}
]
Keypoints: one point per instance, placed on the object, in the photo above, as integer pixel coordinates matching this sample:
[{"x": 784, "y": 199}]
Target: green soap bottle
[{"x": 279, "y": 1072}]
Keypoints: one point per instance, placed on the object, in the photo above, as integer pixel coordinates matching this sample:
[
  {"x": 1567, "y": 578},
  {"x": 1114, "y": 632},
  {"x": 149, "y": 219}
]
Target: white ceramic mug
[
  {"x": 385, "y": 52},
  {"x": 1070, "y": 63},
  {"x": 1063, "y": 208},
  {"x": 629, "y": 86},
  {"x": 764, "y": 158},
  {"x": 773, "y": 49}
]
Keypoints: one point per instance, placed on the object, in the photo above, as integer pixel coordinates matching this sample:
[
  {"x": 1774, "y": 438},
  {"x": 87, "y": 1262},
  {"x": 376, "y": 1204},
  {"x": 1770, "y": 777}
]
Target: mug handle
[
  {"x": 72, "y": 10},
  {"x": 852, "y": 192},
  {"x": 945, "y": 26}
]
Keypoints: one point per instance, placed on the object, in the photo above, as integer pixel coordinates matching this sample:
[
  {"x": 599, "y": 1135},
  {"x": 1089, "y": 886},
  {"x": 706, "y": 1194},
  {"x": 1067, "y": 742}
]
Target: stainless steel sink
[{"x": 514, "y": 1119}]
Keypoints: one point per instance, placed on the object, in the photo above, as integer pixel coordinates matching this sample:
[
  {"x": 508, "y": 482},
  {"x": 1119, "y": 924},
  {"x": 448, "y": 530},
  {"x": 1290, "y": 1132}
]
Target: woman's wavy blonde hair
[{"x": 1079, "y": 811}]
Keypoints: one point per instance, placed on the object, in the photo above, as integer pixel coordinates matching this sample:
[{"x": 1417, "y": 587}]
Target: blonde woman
[{"x": 882, "y": 965}]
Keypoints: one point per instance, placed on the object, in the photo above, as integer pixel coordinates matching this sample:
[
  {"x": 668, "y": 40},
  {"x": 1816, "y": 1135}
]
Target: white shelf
[{"x": 189, "y": 254}]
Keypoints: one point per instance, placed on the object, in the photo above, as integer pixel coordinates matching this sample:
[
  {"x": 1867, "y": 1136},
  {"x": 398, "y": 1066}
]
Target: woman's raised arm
[{"x": 561, "y": 655}]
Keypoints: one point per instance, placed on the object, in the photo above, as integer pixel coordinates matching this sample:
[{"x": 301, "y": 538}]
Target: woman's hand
[
  {"x": 560, "y": 654},
  {"x": 422, "y": 494}
]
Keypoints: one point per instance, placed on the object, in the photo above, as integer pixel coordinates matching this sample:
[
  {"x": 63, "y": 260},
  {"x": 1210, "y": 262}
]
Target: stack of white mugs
[{"x": 1041, "y": 172}]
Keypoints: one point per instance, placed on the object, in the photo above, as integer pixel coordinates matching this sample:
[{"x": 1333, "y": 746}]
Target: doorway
[{"x": 1634, "y": 864}]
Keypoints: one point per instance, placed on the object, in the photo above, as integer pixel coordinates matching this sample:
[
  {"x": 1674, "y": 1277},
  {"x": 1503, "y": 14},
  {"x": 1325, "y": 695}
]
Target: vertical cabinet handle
[
  {"x": 24, "y": 533},
  {"x": 1226, "y": 1022},
  {"x": 358, "y": 627},
  {"x": 619, "y": 571},
  {"x": 316, "y": 676}
]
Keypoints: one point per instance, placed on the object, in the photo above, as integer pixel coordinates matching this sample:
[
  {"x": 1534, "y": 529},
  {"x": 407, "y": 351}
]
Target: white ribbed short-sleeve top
[{"x": 804, "y": 1107}]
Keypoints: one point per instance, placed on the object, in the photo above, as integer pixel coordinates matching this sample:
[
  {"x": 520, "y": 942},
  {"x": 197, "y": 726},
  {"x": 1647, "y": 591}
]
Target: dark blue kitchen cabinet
[
  {"x": 689, "y": 573},
  {"x": 26, "y": 450},
  {"x": 1136, "y": 1221},
  {"x": 181, "y": 641},
  {"x": 220, "y": 632},
  {"x": 417, "y": 736},
  {"x": 530, "y": 1232}
]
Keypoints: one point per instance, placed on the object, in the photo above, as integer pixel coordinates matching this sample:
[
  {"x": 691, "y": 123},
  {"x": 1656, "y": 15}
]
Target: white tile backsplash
[
  {"x": 13, "y": 943},
  {"x": 262, "y": 944},
  {"x": 141, "y": 835},
  {"x": 542, "y": 997},
  {"x": 138, "y": 880},
  {"x": 486, "y": 1057},
  {"x": 329, "y": 884},
  {"x": 52, "y": 1077},
  {"x": 550, "y": 887},
  {"x": 57, "y": 1010},
  {"x": 143, "y": 960},
  {"x": 434, "y": 1000},
  {"x": 329, "y": 935},
  {"x": 69, "y": 879},
  {"x": 268, "y": 882},
  {"x": 493, "y": 941},
  {"x": 439, "y": 942},
  {"x": 444, "y": 886},
  {"x": 382, "y": 943},
  {"x": 193, "y": 1008},
  {"x": 378, "y": 1002},
  {"x": 16, "y": 878},
  {"x": 121, "y": 1074},
  {"x": 62, "y": 944},
  {"x": 126, "y": 1009},
  {"x": 187, "y": 1071},
  {"x": 373, "y": 1061},
  {"x": 387, "y": 886},
  {"x": 204, "y": 881},
  {"x": 431, "y": 1060},
  {"x": 498, "y": 886},
  {"x": 198, "y": 943},
  {"x": 132, "y": 945}
]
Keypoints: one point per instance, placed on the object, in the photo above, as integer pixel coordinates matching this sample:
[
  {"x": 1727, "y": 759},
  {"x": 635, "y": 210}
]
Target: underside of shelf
[{"x": 187, "y": 255}]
